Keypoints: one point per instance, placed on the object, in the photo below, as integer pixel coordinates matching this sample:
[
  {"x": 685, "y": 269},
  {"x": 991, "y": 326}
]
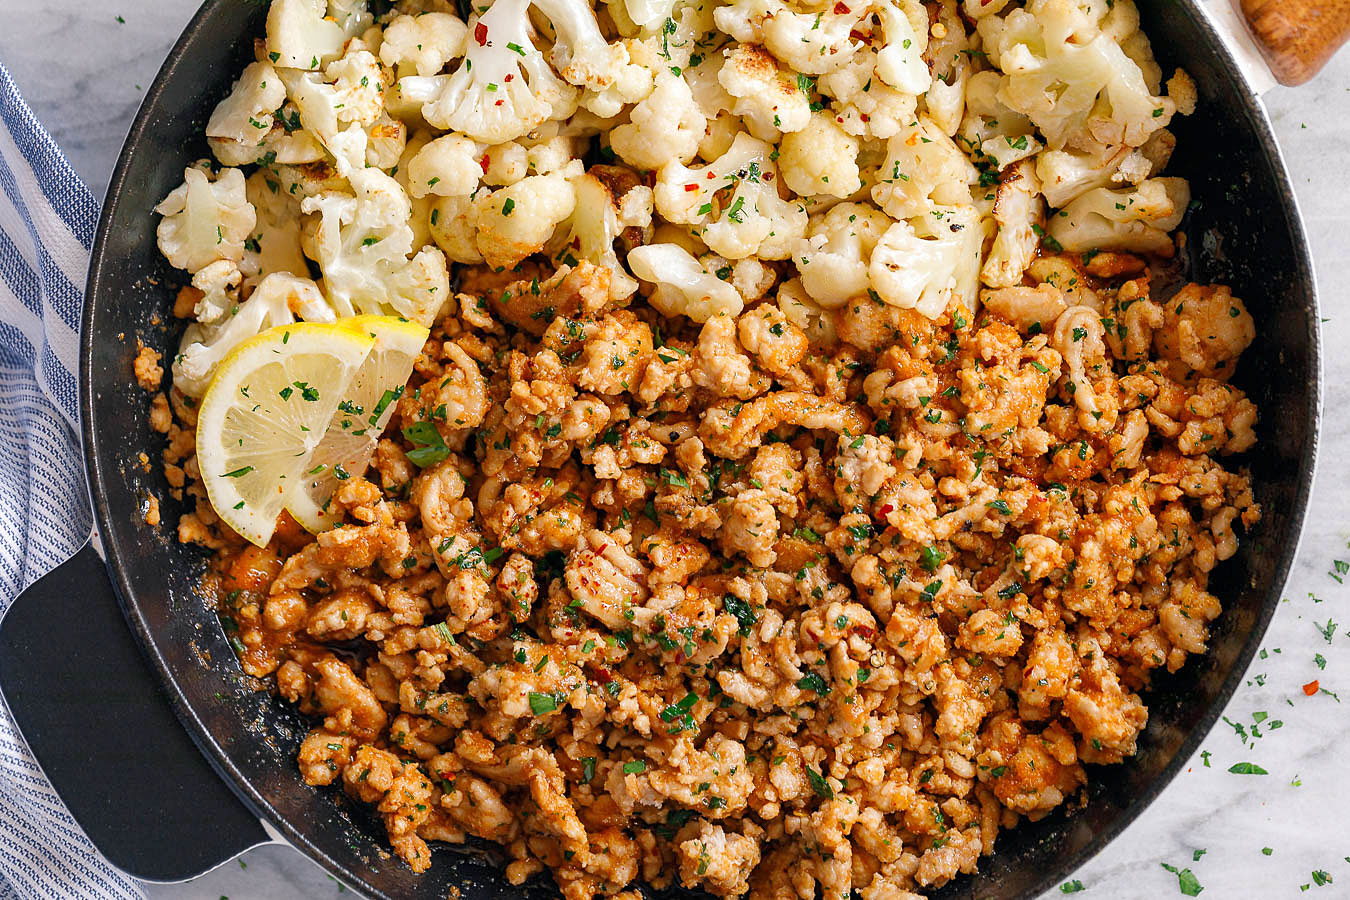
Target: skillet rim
[
  {"x": 273, "y": 822},
  {"x": 1301, "y": 263}
]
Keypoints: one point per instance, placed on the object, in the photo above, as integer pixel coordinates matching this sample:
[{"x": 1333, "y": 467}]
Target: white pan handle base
[{"x": 1229, "y": 24}]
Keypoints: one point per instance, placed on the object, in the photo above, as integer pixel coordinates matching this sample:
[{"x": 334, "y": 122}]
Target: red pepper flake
[
  {"x": 864, "y": 631},
  {"x": 1311, "y": 687},
  {"x": 485, "y": 162},
  {"x": 886, "y": 510},
  {"x": 499, "y": 103},
  {"x": 480, "y": 34},
  {"x": 840, "y": 9},
  {"x": 711, "y": 176},
  {"x": 508, "y": 77},
  {"x": 691, "y": 187}
]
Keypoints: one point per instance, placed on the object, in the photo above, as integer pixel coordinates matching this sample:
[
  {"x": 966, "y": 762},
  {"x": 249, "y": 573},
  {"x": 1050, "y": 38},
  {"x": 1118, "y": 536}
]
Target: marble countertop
[{"x": 1261, "y": 836}]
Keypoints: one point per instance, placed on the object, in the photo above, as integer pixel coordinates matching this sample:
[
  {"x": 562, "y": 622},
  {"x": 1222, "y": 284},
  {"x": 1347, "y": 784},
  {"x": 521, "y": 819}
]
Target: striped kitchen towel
[{"x": 47, "y": 222}]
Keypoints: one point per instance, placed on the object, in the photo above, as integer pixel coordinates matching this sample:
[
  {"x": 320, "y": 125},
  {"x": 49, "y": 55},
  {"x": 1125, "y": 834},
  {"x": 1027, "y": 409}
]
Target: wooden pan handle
[{"x": 1297, "y": 37}]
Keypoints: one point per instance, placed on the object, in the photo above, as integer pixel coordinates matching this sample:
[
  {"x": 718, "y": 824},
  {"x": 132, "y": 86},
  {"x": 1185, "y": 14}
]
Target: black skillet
[{"x": 102, "y": 722}]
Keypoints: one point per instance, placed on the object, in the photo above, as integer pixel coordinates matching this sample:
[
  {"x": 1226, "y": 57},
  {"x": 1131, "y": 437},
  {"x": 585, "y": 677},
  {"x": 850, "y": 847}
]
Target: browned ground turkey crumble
[
  {"x": 149, "y": 373},
  {"x": 751, "y": 611}
]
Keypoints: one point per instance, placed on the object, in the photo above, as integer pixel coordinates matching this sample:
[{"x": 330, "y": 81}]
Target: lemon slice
[
  {"x": 265, "y": 412},
  {"x": 367, "y": 405}
]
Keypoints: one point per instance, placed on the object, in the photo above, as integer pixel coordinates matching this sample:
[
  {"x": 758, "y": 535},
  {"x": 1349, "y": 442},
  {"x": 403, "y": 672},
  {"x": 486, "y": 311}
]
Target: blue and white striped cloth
[{"x": 47, "y": 223}]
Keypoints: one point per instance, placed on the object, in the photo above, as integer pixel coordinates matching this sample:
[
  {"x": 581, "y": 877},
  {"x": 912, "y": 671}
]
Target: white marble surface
[{"x": 83, "y": 71}]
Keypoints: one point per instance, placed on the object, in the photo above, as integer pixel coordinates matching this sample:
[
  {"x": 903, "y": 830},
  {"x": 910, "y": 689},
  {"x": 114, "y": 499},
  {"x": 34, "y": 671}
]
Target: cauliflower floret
[
  {"x": 1136, "y": 220},
  {"x": 751, "y": 278},
  {"x": 864, "y": 105},
  {"x": 1018, "y": 210},
  {"x": 641, "y": 13},
  {"x": 274, "y": 245},
  {"x": 706, "y": 88},
  {"x": 515, "y": 221},
  {"x": 421, "y": 206},
  {"x": 298, "y": 293},
  {"x": 762, "y": 95},
  {"x": 352, "y": 16},
  {"x": 808, "y": 315},
  {"x": 1145, "y": 162},
  {"x": 992, "y": 130},
  {"x": 1181, "y": 88},
  {"x": 635, "y": 208},
  {"x": 812, "y": 42},
  {"x": 632, "y": 80},
  {"x": 900, "y": 61},
  {"x": 1076, "y": 83},
  {"x": 503, "y": 89},
  {"x": 358, "y": 85},
  {"x": 218, "y": 283},
  {"x": 362, "y": 245},
  {"x": 277, "y": 300},
  {"x": 422, "y": 45},
  {"x": 584, "y": 58},
  {"x": 387, "y": 138},
  {"x": 677, "y": 36},
  {"x": 337, "y": 107},
  {"x": 682, "y": 286},
  {"x": 592, "y": 229},
  {"x": 1066, "y": 174},
  {"x": 449, "y": 166},
  {"x": 665, "y": 126},
  {"x": 300, "y": 36},
  {"x": 551, "y": 155},
  {"x": 926, "y": 264},
  {"x": 205, "y": 220},
  {"x": 244, "y": 118},
  {"x": 506, "y": 164},
  {"x": 287, "y": 143},
  {"x": 735, "y": 202},
  {"x": 821, "y": 158},
  {"x": 950, "y": 58},
  {"x": 721, "y": 131},
  {"x": 303, "y": 181},
  {"x": 832, "y": 260},
  {"x": 452, "y": 229},
  {"x": 923, "y": 168}
]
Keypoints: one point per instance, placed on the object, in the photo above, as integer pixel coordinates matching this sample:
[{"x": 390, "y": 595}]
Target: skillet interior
[{"x": 1243, "y": 231}]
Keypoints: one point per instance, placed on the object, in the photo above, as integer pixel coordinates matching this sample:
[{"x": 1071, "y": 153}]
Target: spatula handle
[
  {"x": 99, "y": 725},
  {"x": 1297, "y": 37}
]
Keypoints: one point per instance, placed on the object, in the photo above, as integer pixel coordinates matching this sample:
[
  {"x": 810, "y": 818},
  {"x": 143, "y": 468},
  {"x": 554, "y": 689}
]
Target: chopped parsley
[
  {"x": 430, "y": 446},
  {"x": 745, "y": 616},
  {"x": 541, "y": 704},
  {"x": 819, "y": 784},
  {"x": 812, "y": 681},
  {"x": 1186, "y": 880}
]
